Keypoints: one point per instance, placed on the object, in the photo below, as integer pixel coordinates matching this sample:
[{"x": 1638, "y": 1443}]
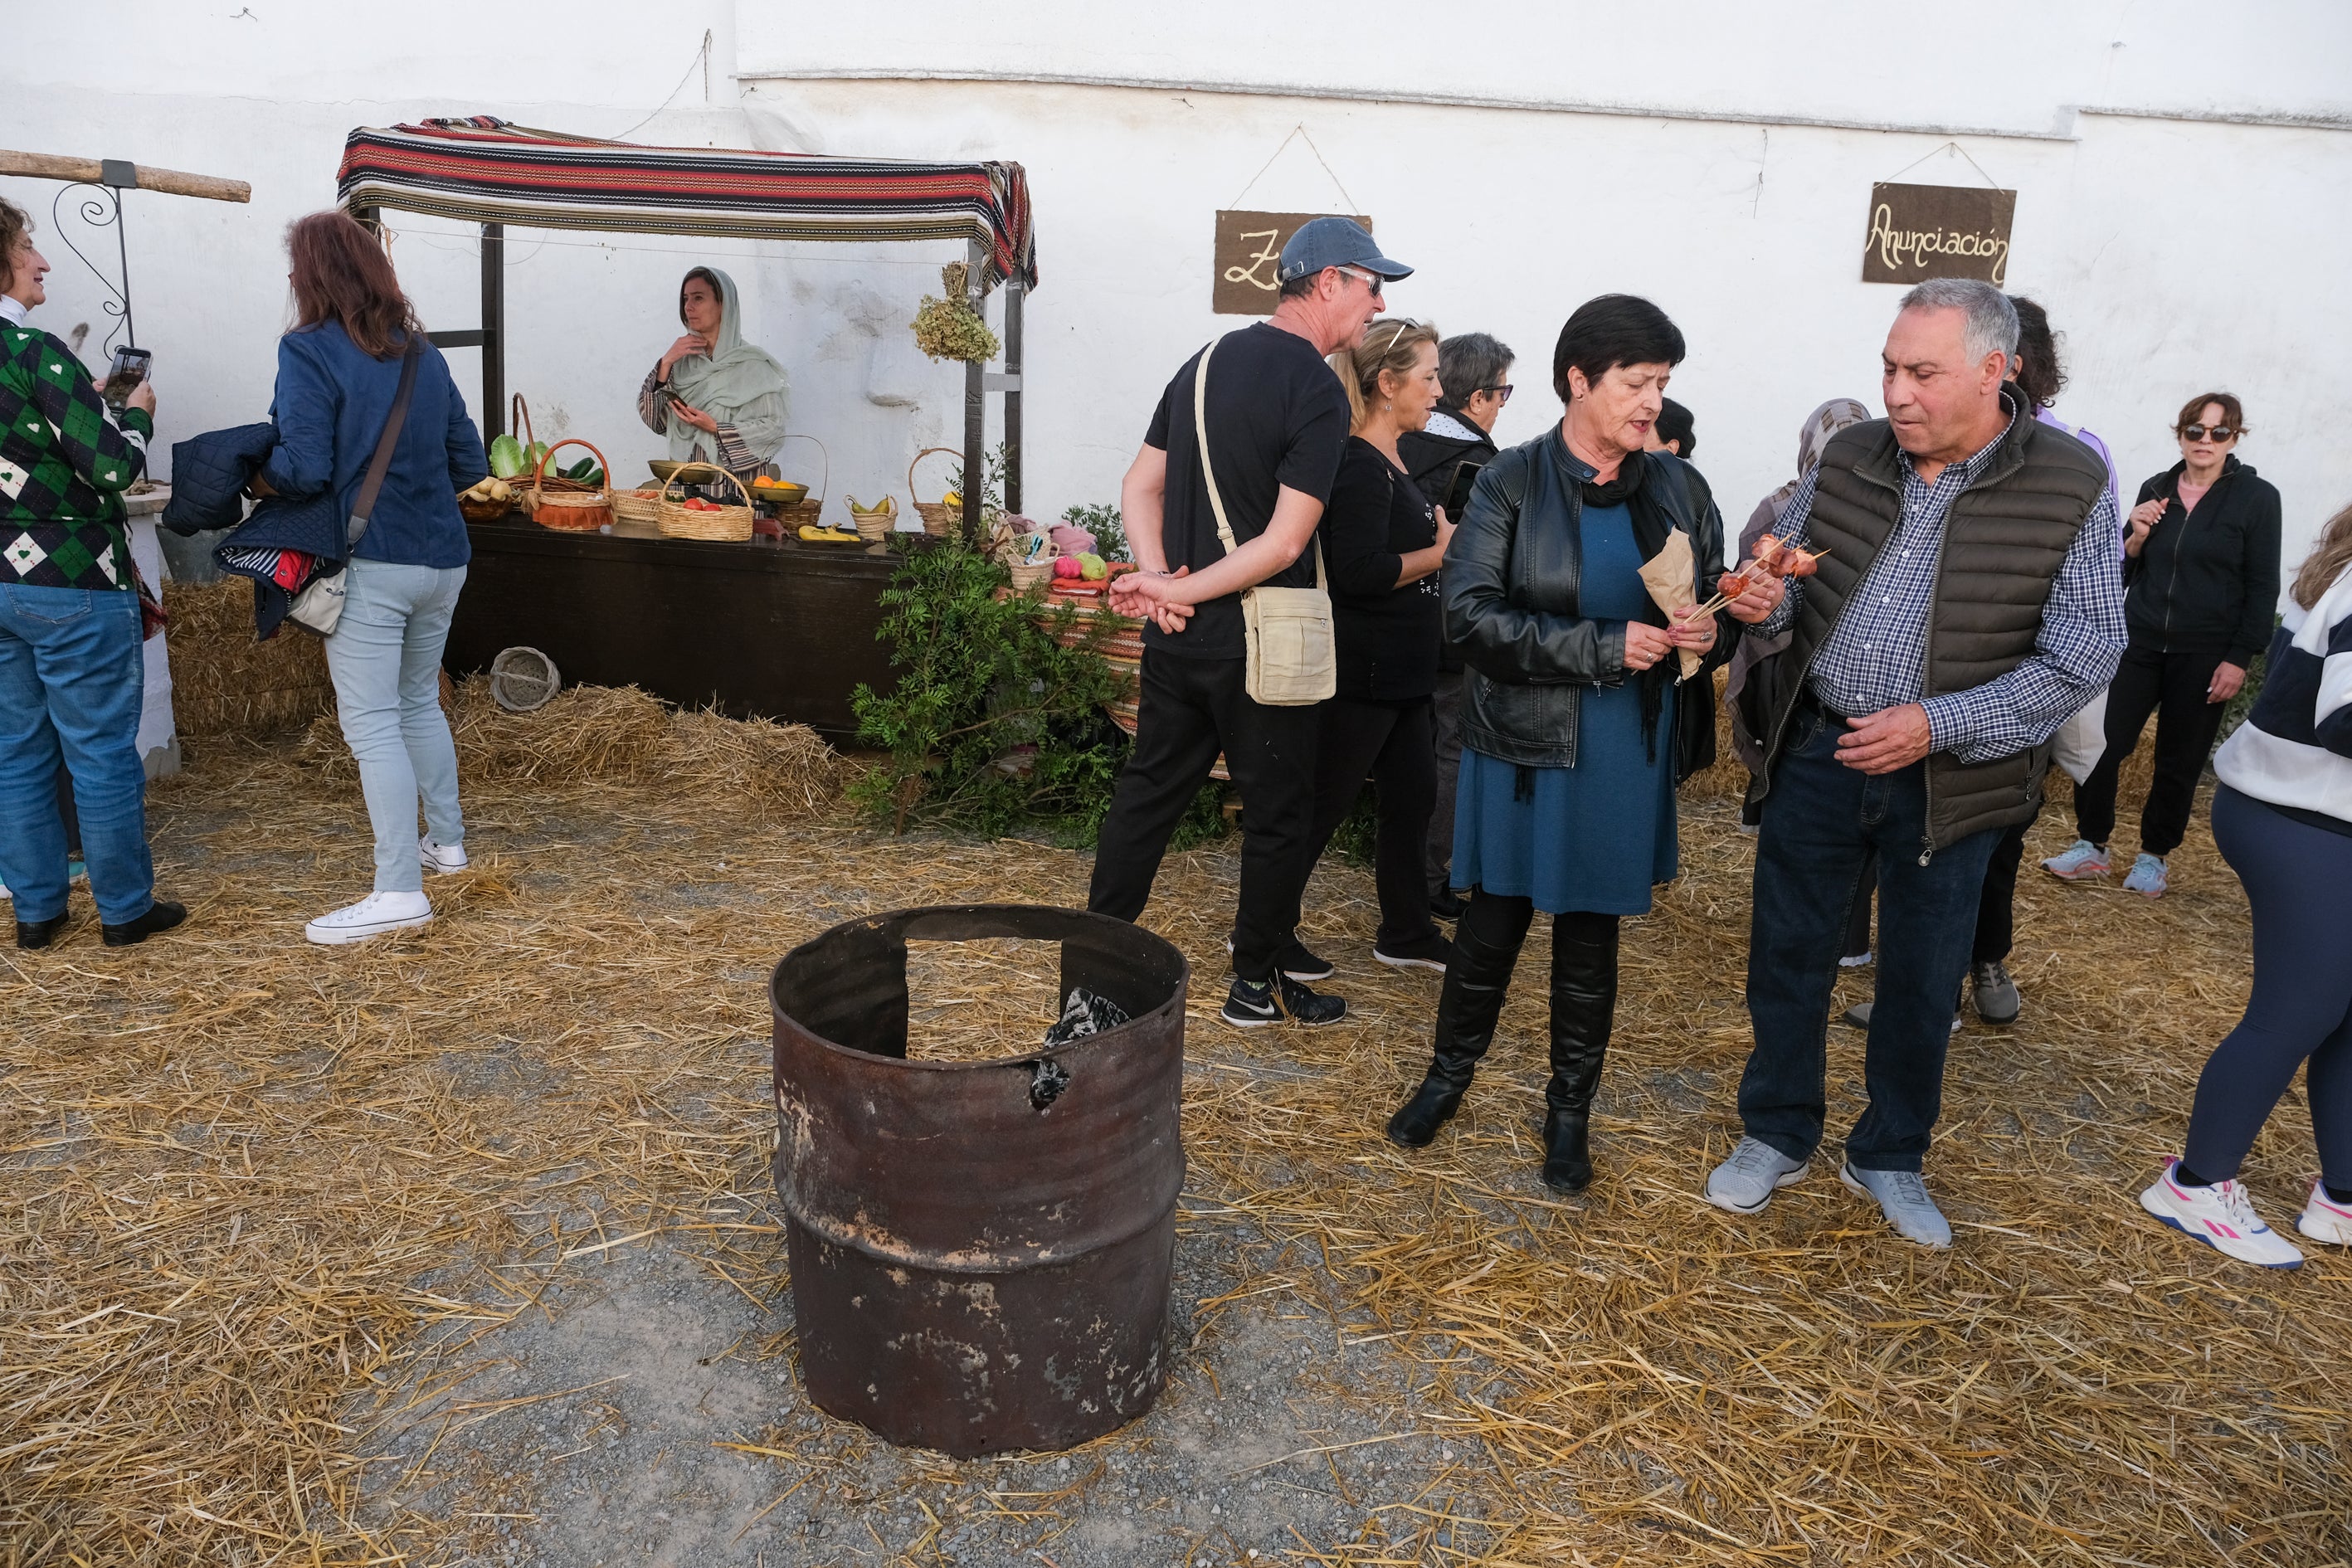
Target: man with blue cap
[{"x": 1276, "y": 421}]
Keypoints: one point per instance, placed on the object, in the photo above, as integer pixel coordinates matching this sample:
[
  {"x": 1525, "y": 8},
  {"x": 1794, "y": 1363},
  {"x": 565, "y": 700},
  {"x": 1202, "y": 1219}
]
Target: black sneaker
[
  {"x": 1446, "y": 905},
  {"x": 161, "y": 915},
  {"x": 39, "y": 933},
  {"x": 1254, "y": 1004},
  {"x": 1427, "y": 951},
  {"x": 1293, "y": 959}
]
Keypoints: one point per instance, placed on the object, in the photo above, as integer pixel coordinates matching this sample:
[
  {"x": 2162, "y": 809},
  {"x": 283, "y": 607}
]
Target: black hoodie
[{"x": 2207, "y": 581}]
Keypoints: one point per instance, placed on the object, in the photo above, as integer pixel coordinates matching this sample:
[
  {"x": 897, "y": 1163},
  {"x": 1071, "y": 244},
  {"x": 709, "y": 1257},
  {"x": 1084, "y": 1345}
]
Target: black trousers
[
  {"x": 2171, "y": 686},
  {"x": 1191, "y": 710},
  {"x": 1446, "y": 733},
  {"x": 1391, "y": 742}
]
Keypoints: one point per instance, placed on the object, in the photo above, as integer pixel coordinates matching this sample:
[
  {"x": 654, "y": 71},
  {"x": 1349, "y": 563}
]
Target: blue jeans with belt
[
  {"x": 1821, "y": 822},
  {"x": 385, "y": 659},
  {"x": 71, "y": 676}
]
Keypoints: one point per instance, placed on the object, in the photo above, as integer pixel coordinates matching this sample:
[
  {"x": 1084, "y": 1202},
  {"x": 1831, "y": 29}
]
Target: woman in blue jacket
[{"x": 338, "y": 374}]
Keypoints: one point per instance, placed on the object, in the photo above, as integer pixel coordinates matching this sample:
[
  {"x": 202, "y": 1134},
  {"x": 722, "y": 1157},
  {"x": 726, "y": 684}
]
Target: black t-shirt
[
  {"x": 1388, "y": 635},
  {"x": 1276, "y": 416}
]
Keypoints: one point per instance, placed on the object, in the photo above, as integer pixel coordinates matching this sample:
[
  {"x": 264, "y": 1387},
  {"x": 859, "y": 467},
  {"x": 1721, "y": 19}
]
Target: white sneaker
[
  {"x": 441, "y": 858},
  {"x": 371, "y": 916},
  {"x": 2325, "y": 1219},
  {"x": 2223, "y": 1216}
]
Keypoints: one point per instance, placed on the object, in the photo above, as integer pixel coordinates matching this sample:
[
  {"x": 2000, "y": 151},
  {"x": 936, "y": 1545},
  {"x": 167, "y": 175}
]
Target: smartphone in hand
[{"x": 123, "y": 377}]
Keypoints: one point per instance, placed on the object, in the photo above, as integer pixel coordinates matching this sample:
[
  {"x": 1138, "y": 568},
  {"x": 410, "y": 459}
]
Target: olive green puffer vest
[{"x": 2004, "y": 541}]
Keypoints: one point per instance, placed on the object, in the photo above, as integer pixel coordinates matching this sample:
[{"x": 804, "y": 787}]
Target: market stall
[{"x": 693, "y": 620}]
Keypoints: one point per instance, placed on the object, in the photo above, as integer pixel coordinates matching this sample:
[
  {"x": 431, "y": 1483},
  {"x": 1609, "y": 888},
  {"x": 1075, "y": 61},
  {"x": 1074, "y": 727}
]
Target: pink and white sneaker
[
  {"x": 2325, "y": 1219},
  {"x": 2223, "y": 1216}
]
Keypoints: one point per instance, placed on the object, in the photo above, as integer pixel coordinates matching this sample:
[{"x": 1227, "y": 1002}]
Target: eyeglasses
[
  {"x": 2199, "y": 432},
  {"x": 1371, "y": 279},
  {"x": 1502, "y": 393}
]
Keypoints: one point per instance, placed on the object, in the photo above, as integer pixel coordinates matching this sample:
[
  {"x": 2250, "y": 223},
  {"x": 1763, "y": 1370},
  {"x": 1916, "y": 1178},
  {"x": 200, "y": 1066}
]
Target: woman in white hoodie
[{"x": 2283, "y": 819}]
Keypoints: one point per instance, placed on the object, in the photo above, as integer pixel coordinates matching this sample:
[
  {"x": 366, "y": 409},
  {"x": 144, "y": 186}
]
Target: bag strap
[
  {"x": 1208, "y": 475},
  {"x": 364, "y": 505}
]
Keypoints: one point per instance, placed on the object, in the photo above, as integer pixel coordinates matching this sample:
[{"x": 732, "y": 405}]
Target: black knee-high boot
[
  {"x": 1486, "y": 948},
  {"x": 1584, "y": 1005}
]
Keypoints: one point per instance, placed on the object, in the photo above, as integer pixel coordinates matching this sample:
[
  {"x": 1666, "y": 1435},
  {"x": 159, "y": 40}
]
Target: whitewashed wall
[{"x": 2182, "y": 176}]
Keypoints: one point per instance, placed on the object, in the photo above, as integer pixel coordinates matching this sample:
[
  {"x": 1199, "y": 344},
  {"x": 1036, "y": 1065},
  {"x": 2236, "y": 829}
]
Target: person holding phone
[
  {"x": 717, "y": 398},
  {"x": 71, "y": 671},
  {"x": 1474, "y": 374}
]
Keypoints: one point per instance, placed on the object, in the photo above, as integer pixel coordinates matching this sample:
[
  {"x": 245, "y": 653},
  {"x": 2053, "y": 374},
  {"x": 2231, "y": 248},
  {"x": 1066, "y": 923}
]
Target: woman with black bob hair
[{"x": 1570, "y": 750}]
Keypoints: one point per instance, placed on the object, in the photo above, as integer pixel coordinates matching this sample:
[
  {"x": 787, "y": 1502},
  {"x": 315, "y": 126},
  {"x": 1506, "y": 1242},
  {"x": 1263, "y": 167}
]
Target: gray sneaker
[
  {"x": 1903, "y": 1197},
  {"x": 1746, "y": 1183},
  {"x": 1995, "y": 993}
]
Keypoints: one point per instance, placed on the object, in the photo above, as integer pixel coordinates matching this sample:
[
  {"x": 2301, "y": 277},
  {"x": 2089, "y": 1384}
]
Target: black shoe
[
  {"x": 1432, "y": 1105},
  {"x": 1444, "y": 905},
  {"x": 1427, "y": 951},
  {"x": 161, "y": 915},
  {"x": 39, "y": 933},
  {"x": 1568, "y": 1152},
  {"x": 1254, "y": 1004},
  {"x": 1293, "y": 959}
]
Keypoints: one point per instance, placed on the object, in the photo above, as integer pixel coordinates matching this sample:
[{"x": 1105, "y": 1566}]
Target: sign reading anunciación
[
  {"x": 1918, "y": 232},
  {"x": 1248, "y": 252}
]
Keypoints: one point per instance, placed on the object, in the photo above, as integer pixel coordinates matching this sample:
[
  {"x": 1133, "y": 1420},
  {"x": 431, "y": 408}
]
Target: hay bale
[
  {"x": 620, "y": 735},
  {"x": 224, "y": 682}
]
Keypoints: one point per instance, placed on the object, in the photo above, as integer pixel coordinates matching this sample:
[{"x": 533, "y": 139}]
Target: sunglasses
[
  {"x": 2200, "y": 432},
  {"x": 1370, "y": 279},
  {"x": 1502, "y": 393}
]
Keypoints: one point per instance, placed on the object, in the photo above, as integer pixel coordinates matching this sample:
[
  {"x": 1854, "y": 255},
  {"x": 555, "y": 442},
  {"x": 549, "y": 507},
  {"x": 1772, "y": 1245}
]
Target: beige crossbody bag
[{"x": 1293, "y": 659}]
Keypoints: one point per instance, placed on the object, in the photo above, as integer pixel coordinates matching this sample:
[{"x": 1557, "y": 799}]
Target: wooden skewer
[{"x": 1748, "y": 573}]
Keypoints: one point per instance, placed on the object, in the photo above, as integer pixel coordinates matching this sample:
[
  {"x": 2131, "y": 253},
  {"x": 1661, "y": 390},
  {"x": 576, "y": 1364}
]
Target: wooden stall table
[{"x": 765, "y": 629}]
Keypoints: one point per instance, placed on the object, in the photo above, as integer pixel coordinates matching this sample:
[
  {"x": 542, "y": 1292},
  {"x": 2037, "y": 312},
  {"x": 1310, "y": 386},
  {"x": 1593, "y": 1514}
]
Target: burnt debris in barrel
[{"x": 980, "y": 1251}]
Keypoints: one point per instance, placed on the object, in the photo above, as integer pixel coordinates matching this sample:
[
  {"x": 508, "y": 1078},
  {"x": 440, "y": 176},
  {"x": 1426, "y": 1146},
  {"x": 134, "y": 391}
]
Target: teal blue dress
[{"x": 1598, "y": 837}]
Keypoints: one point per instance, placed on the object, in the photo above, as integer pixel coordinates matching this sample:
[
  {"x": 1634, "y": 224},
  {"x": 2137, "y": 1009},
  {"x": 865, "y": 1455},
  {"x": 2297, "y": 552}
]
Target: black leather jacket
[{"x": 1511, "y": 579}]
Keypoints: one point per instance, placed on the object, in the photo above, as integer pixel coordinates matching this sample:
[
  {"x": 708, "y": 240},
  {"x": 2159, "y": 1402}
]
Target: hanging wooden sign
[
  {"x": 1248, "y": 268},
  {"x": 1918, "y": 232}
]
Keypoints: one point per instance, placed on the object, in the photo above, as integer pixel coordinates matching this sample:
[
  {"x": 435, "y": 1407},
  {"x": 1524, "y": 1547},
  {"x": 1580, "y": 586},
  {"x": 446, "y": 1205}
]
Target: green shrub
[
  {"x": 993, "y": 725},
  {"x": 1104, "y": 523}
]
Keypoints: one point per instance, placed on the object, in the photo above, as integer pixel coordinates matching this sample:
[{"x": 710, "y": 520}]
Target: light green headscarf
[{"x": 737, "y": 383}]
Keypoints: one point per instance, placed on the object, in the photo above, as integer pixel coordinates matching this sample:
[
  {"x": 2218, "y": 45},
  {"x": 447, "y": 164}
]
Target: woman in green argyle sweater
[{"x": 70, "y": 665}]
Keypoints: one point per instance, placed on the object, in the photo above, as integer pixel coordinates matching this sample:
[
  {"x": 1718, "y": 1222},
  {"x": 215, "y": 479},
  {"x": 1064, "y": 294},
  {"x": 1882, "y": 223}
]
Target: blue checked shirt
[{"x": 1874, "y": 655}]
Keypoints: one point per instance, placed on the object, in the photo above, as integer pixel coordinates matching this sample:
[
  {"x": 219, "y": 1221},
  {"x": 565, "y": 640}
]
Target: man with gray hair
[{"x": 1967, "y": 604}]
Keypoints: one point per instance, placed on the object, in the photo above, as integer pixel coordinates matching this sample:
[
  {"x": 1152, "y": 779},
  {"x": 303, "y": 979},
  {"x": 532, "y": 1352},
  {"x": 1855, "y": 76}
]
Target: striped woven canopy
[{"x": 481, "y": 170}]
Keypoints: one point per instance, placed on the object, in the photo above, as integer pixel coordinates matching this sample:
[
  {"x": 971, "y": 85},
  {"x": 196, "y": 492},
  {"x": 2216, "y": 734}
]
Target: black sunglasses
[
  {"x": 2199, "y": 431},
  {"x": 1502, "y": 393}
]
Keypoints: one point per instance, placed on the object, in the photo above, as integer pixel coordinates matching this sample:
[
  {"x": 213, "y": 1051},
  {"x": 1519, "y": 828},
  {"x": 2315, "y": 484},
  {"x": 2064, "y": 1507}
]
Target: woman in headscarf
[{"x": 717, "y": 398}]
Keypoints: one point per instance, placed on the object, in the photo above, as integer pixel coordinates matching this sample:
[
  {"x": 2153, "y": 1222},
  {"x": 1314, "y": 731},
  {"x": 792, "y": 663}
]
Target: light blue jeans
[
  {"x": 385, "y": 657},
  {"x": 70, "y": 678}
]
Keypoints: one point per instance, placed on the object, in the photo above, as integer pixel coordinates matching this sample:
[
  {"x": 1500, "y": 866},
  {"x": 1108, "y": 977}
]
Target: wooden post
[
  {"x": 494, "y": 331},
  {"x": 975, "y": 405},
  {"x": 95, "y": 172},
  {"x": 1014, "y": 294}
]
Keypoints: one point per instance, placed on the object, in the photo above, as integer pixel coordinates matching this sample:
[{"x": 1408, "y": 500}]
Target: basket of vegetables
[
  {"x": 490, "y": 498},
  {"x": 692, "y": 517},
  {"x": 573, "y": 499},
  {"x": 941, "y": 517}
]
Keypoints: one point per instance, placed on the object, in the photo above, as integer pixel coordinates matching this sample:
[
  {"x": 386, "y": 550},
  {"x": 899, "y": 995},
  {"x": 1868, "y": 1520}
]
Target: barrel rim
[{"x": 1173, "y": 1005}]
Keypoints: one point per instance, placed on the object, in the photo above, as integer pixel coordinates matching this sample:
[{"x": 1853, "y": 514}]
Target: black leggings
[
  {"x": 2172, "y": 686},
  {"x": 1392, "y": 743},
  {"x": 2298, "y": 883}
]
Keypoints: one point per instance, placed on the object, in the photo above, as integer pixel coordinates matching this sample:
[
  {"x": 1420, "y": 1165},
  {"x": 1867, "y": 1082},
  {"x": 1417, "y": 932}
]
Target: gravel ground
[{"x": 624, "y": 1424}]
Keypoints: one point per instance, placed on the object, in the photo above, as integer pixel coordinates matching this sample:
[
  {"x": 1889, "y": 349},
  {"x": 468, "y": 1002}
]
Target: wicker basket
[
  {"x": 575, "y": 507},
  {"x": 727, "y": 525},
  {"x": 875, "y": 527},
  {"x": 810, "y": 510},
  {"x": 642, "y": 505},
  {"x": 940, "y": 520},
  {"x": 1028, "y": 574},
  {"x": 483, "y": 510}
]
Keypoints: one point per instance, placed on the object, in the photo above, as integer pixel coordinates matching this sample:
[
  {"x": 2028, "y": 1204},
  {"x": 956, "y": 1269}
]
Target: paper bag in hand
[{"x": 1667, "y": 575}]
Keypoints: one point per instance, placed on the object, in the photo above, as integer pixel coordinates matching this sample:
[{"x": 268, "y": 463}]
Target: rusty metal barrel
[{"x": 980, "y": 1251}]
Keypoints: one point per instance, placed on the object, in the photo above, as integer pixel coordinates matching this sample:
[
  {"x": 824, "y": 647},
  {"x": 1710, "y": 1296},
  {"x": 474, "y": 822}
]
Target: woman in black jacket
[
  {"x": 2202, "y": 574},
  {"x": 1384, "y": 542},
  {"x": 1569, "y": 751}
]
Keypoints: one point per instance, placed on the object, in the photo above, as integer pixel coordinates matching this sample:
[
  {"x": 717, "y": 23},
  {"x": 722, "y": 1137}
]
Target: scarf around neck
[{"x": 737, "y": 383}]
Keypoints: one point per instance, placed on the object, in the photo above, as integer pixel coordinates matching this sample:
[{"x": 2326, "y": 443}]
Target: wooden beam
[{"x": 93, "y": 171}]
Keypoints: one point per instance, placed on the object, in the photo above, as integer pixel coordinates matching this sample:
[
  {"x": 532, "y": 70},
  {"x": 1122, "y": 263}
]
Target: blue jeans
[
  {"x": 70, "y": 679},
  {"x": 385, "y": 657},
  {"x": 1821, "y": 820}
]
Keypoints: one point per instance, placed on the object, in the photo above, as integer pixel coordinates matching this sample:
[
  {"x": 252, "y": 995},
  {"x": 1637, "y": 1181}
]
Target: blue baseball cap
[{"x": 1336, "y": 242}]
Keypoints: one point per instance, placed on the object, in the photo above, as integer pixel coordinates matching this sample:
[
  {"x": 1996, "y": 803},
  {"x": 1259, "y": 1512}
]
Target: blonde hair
[
  {"x": 1392, "y": 345},
  {"x": 2330, "y": 554}
]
